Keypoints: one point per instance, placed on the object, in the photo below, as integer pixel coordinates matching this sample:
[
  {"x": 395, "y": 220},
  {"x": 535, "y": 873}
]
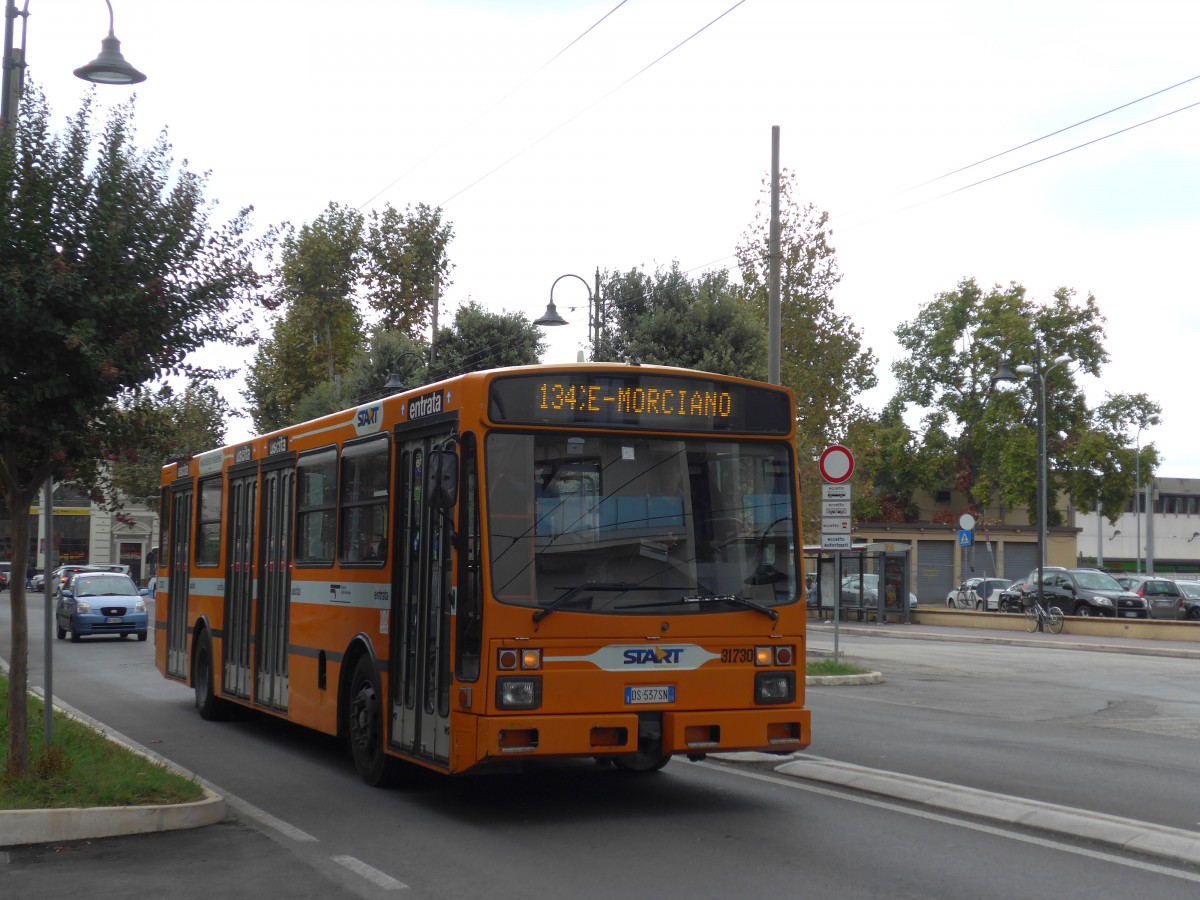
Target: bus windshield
[{"x": 623, "y": 524}]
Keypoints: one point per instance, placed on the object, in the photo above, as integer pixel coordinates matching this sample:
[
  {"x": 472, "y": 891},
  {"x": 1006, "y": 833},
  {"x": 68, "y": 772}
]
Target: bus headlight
[
  {"x": 519, "y": 693},
  {"x": 774, "y": 687}
]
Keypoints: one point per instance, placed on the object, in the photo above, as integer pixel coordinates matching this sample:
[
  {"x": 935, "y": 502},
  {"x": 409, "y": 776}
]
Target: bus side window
[
  {"x": 316, "y": 506},
  {"x": 364, "y": 506}
]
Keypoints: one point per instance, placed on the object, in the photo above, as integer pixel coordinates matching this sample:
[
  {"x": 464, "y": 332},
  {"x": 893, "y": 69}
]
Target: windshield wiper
[
  {"x": 710, "y": 597},
  {"x": 573, "y": 592}
]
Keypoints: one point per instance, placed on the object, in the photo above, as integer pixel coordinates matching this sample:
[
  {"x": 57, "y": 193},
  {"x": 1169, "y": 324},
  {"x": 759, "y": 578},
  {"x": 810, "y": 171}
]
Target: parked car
[
  {"x": 1085, "y": 592},
  {"x": 1011, "y": 598},
  {"x": 37, "y": 582},
  {"x": 1191, "y": 598},
  {"x": 93, "y": 603},
  {"x": 977, "y": 593},
  {"x": 870, "y": 591},
  {"x": 1165, "y": 597},
  {"x": 60, "y": 576},
  {"x": 3, "y": 579}
]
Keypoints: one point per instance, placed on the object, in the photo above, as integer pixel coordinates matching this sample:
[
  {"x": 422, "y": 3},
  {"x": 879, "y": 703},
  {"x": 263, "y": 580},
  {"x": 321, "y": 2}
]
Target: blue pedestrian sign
[{"x": 966, "y": 538}]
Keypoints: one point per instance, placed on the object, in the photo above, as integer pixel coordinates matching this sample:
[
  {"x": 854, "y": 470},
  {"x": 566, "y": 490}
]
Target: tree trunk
[{"x": 18, "y": 657}]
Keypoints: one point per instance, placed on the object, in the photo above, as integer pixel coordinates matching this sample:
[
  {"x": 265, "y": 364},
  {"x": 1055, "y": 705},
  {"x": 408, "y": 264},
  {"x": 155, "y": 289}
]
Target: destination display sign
[{"x": 648, "y": 400}]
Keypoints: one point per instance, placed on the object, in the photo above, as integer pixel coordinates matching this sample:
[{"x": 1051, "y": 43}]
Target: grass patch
[
  {"x": 829, "y": 667},
  {"x": 82, "y": 768}
]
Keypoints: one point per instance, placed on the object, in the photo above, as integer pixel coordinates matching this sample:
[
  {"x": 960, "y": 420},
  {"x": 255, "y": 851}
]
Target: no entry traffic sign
[{"x": 837, "y": 464}]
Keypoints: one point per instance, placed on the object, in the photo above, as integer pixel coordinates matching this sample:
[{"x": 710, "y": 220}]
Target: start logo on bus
[{"x": 368, "y": 419}]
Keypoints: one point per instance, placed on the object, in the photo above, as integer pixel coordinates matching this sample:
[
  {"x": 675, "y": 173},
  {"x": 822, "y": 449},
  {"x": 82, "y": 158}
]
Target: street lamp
[
  {"x": 1007, "y": 374},
  {"x": 551, "y": 316},
  {"x": 109, "y": 67}
]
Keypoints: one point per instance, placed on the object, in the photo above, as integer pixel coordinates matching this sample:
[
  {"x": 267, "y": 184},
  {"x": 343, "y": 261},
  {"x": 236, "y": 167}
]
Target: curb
[
  {"x": 44, "y": 826},
  {"x": 1063, "y": 644},
  {"x": 40, "y": 826},
  {"x": 865, "y": 678},
  {"x": 1163, "y": 842}
]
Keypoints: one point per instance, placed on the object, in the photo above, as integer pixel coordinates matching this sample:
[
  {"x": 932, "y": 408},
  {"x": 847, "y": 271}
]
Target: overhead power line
[
  {"x": 585, "y": 109},
  {"x": 1053, "y": 133},
  {"x": 513, "y": 90}
]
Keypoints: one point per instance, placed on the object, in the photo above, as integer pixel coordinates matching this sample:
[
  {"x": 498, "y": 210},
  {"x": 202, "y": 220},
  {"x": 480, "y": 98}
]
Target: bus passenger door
[
  {"x": 179, "y": 549},
  {"x": 274, "y": 589},
  {"x": 239, "y": 585},
  {"x": 422, "y": 597}
]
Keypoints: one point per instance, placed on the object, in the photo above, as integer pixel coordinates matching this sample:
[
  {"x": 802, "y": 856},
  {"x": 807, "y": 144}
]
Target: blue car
[{"x": 101, "y": 603}]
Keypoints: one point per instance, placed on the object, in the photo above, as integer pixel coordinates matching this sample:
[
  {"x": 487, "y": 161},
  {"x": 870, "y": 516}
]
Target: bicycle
[
  {"x": 1037, "y": 615},
  {"x": 964, "y": 600}
]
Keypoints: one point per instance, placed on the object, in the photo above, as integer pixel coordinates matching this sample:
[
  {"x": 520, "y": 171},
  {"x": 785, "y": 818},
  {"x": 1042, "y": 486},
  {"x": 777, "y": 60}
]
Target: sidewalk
[{"x": 1063, "y": 641}]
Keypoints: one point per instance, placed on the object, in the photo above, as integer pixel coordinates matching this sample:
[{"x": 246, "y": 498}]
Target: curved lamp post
[
  {"x": 551, "y": 316},
  {"x": 1005, "y": 373},
  {"x": 109, "y": 67}
]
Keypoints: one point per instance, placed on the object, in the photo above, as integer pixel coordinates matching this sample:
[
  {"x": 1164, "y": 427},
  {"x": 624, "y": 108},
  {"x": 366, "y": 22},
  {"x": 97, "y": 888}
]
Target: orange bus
[{"x": 598, "y": 560}]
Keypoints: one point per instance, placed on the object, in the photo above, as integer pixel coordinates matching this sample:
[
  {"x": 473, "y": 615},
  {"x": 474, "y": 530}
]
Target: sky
[{"x": 559, "y": 137}]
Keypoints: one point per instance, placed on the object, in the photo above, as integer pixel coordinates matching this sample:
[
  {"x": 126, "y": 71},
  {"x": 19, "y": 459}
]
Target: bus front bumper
[{"x": 770, "y": 730}]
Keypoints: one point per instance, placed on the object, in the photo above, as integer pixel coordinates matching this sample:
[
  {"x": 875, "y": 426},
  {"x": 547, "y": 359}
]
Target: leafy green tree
[
  {"x": 320, "y": 327},
  {"x": 954, "y": 348},
  {"x": 821, "y": 354},
  {"x": 111, "y": 275},
  {"x": 169, "y": 424},
  {"x": 481, "y": 340},
  {"x": 669, "y": 319},
  {"x": 822, "y": 358},
  {"x": 330, "y": 271},
  {"x": 406, "y": 265},
  {"x": 388, "y": 354}
]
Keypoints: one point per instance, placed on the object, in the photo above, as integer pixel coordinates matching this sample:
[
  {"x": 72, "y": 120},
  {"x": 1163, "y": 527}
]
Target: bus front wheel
[{"x": 642, "y": 761}]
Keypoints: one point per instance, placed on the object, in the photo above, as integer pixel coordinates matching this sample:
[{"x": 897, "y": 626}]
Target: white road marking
[{"x": 379, "y": 879}]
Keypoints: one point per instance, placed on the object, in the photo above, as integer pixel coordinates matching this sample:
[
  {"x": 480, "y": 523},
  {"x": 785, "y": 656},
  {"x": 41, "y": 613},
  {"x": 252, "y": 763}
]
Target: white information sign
[
  {"x": 835, "y": 541},
  {"x": 835, "y": 508},
  {"x": 835, "y": 526},
  {"x": 835, "y": 491}
]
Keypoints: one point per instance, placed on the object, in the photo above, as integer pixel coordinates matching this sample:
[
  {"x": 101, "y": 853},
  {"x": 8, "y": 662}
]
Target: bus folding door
[
  {"x": 178, "y": 563},
  {"x": 239, "y": 586},
  {"x": 421, "y": 648},
  {"x": 274, "y": 589}
]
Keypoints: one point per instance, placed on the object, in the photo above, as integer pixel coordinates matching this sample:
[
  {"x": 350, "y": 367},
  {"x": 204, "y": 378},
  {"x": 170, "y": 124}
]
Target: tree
[
  {"x": 822, "y": 358},
  {"x": 168, "y": 425},
  {"x": 330, "y": 271},
  {"x": 406, "y": 265},
  {"x": 953, "y": 349},
  {"x": 668, "y": 319},
  {"x": 111, "y": 275},
  {"x": 320, "y": 328},
  {"x": 484, "y": 340}
]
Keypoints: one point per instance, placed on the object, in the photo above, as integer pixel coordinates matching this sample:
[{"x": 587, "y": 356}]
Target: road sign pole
[{"x": 837, "y": 602}]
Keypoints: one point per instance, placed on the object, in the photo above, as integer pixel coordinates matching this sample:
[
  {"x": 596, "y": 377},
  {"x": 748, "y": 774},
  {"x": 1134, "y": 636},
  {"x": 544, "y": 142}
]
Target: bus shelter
[{"x": 867, "y": 582}]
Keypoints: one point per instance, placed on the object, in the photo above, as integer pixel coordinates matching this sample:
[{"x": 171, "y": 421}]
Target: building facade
[
  {"x": 1162, "y": 537},
  {"x": 86, "y": 533}
]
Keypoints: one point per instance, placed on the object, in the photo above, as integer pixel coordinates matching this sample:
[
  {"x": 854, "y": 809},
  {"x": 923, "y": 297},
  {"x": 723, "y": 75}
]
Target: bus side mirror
[{"x": 441, "y": 485}]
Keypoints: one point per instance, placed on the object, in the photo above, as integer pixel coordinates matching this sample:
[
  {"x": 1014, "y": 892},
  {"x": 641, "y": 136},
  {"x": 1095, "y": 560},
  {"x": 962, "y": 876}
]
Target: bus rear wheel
[
  {"x": 211, "y": 707},
  {"x": 364, "y": 726}
]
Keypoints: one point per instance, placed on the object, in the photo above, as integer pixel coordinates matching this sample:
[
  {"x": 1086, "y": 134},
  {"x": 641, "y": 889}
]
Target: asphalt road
[{"x": 302, "y": 825}]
